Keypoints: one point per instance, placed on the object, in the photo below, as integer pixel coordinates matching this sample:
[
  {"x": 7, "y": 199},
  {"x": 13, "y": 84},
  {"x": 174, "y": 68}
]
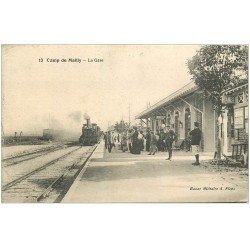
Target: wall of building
[
  {"x": 200, "y": 110},
  {"x": 235, "y": 120},
  {"x": 237, "y": 117}
]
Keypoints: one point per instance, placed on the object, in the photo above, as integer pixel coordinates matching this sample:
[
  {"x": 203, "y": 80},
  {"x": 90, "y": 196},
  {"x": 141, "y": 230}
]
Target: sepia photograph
[{"x": 124, "y": 123}]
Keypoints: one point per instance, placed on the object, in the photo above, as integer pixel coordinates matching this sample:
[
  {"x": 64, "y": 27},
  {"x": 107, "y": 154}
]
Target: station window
[
  {"x": 240, "y": 98},
  {"x": 231, "y": 99},
  {"x": 241, "y": 123},
  {"x": 246, "y": 120}
]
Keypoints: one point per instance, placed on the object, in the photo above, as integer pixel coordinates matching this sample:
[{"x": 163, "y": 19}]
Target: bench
[
  {"x": 238, "y": 150},
  {"x": 239, "y": 154}
]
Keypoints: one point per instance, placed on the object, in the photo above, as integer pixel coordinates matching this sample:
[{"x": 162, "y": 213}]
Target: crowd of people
[{"x": 136, "y": 141}]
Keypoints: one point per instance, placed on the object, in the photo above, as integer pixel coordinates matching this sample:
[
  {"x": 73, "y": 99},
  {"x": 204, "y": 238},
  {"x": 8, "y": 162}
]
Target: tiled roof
[{"x": 189, "y": 88}]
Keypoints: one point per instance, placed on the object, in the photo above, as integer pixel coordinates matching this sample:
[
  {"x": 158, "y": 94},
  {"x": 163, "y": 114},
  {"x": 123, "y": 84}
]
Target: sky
[{"x": 38, "y": 95}]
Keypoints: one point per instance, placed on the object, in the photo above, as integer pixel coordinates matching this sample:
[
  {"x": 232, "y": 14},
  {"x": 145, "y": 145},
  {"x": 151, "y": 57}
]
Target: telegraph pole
[{"x": 129, "y": 114}]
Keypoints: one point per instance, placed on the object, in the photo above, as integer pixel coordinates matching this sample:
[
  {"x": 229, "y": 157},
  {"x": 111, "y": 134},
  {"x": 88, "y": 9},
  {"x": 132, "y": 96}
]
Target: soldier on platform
[
  {"x": 195, "y": 142},
  {"x": 170, "y": 137}
]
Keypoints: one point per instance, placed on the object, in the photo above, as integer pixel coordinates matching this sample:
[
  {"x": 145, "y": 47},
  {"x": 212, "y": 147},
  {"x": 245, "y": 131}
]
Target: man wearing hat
[
  {"x": 170, "y": 137},
  {"x": 195, "y": 142}
]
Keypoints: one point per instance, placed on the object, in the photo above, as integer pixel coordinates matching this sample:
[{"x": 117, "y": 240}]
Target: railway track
[
  {"x": 56, "y": 191},
  {"x": 29, "y": 156},
  {"x": 38, "y": 183}
]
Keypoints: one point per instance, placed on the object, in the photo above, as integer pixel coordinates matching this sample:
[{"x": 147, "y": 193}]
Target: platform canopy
[{"x": 159, "y": 107}]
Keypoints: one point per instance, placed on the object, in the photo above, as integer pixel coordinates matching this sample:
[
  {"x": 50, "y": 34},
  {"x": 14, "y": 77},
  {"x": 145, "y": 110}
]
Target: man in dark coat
[
  {"x": 110, "y": 141},
  {"x": 148, "y": 139},
  {"x": 195, "y": 142},
  {"x": 170, "y": 137},
  {"x": 105, "y": 137}
]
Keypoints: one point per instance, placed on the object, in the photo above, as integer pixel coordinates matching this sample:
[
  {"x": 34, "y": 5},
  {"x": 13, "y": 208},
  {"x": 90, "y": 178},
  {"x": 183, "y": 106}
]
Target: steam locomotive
[{"x": 90, "y": 134}]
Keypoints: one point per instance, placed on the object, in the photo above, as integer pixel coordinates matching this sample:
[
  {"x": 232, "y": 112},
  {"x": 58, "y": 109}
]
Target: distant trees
[
  {"x": 216, "y": 68},
  {"x": 121, "y": 126}
]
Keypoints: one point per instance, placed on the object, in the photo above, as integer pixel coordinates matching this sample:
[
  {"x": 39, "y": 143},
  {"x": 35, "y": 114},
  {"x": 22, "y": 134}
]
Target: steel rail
[
  {"x": 12, "y": 183},
  {"x": 51, "y": 186},
  {"x": 42, "y": 153},
  {"x": 29, "y": 153}
]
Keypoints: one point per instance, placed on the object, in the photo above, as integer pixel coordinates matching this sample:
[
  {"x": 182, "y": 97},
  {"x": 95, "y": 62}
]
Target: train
[{"x": 91, "y": 133}]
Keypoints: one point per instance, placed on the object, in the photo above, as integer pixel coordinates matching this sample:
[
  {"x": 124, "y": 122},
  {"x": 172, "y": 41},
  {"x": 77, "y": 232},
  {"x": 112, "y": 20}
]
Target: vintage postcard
[{"x": 124, "y": 123}]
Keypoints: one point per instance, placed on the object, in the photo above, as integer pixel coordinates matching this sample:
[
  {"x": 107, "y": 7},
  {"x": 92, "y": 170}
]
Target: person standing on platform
[
  {"x": 130, "y": 140},
  {"x": 141, "y": 139},
  {"x": 148, "y": 139},
  {"x": 195, "y": 142},
  {"x": 113, "y": 139},
  {"x": 124, "y": 146},
  {"x": 157, "y": 135},
  {"x": 136, "y": 145},
  {"x": 161, "y": 141},
  {"x": 105, "y": 137},
  {"x": 170, "y": 137},
  {"x": 153, "y": 142},
  {"x": 110, "y": 141}
]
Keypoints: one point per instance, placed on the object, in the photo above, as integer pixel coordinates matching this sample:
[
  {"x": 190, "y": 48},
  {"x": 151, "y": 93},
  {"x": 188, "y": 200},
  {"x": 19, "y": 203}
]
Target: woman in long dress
[{"x": 136, "y": 145}]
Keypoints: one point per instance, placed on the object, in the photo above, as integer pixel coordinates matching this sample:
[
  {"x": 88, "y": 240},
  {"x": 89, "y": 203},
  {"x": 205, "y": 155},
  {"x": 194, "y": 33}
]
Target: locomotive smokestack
[
  {"x": 88, "y": 122},
  {"x": 87, "y": 118}
]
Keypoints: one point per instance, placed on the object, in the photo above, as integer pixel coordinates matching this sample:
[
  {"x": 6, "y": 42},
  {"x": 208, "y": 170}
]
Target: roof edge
[{"x": 180, "y": 92}]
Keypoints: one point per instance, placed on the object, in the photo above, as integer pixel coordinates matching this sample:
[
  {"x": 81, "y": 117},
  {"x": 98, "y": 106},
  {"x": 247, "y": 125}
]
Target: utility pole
[
  {"x": 129, "y": 114},
  {"x": 122, "y": 124}
]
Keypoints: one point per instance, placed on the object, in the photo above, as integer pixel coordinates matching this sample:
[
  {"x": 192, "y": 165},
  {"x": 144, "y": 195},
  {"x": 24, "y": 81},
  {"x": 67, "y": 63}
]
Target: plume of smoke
[
  {"x": 75, "y": 116},
  {"x": 86, "y": 116},
  {"x": 56, "y": 124}
]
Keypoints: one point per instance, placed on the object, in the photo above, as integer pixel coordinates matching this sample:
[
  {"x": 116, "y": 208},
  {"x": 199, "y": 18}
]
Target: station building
[
  {"x": 180, "y": 110},
  {"x": 185, "y": 106},
  {"x": 235, "y": 120}
]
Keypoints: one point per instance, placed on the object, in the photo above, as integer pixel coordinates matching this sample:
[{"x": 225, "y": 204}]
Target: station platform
[{"x": 123, "y": 177}]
